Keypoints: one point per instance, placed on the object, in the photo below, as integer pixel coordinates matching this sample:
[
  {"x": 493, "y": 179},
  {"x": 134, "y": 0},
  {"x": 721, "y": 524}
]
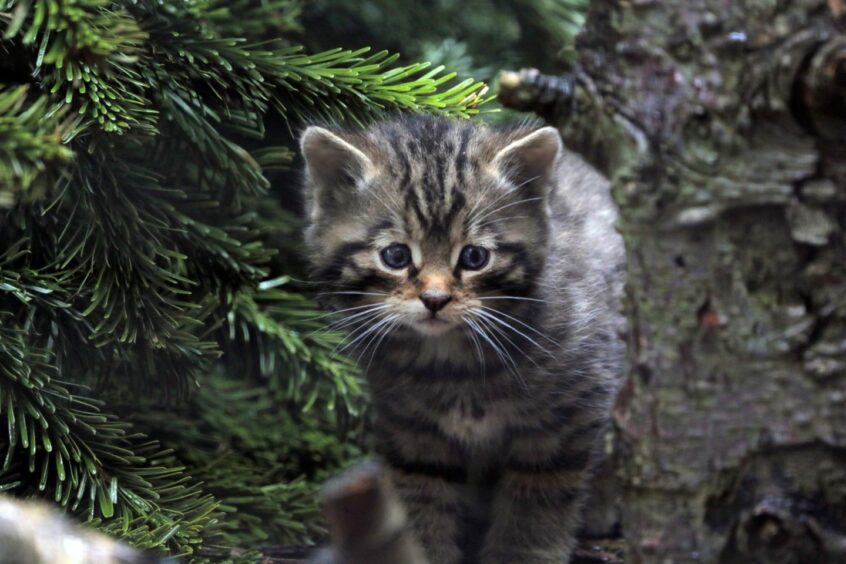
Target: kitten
[{"x": 480, "y": 274}]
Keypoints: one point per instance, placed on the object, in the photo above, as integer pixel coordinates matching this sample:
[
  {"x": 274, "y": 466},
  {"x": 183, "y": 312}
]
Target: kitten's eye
[
  {"x": 396, "y": 255},
  {"x": 473, "y": 257}
]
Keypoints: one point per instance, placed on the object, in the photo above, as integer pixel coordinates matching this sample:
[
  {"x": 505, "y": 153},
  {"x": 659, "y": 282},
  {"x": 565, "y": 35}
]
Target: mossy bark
[{"x": 722, "y": 125}]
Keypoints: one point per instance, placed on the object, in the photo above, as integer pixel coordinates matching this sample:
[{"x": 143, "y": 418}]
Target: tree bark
[{"x": 722, "y": 124}]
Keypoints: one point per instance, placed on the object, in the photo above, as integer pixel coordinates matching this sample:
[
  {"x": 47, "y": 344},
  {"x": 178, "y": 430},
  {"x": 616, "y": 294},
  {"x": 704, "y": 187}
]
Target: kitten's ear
[
  {"x": 333, "y": 166},
  {"x": 530, "y": 158}
]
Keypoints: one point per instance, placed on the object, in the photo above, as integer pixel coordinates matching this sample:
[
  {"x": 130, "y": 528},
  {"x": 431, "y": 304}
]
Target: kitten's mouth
[{"x": 433, "y": 325}]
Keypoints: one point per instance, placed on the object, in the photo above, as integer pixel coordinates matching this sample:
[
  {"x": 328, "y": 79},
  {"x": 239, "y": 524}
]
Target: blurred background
[{"x": 476, "y": 38}]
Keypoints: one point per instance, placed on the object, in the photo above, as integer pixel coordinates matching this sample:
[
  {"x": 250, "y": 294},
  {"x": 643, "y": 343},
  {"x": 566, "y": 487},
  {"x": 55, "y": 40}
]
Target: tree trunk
[{"x": 722, "y": 124}]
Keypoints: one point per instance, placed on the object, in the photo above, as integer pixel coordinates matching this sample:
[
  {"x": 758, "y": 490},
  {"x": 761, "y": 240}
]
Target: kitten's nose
[{"x": 435, "y": 300}]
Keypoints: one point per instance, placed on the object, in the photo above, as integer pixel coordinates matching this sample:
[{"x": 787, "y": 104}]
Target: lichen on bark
[{"x": 721, "y": 125}]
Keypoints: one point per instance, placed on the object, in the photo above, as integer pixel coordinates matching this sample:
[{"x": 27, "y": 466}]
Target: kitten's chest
[
  {"x": 474, "y": 424},
  {"x": 471, "y": 407}
]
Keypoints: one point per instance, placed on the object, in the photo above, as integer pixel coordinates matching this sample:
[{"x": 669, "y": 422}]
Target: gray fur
[{"x": 490, "y": 450}]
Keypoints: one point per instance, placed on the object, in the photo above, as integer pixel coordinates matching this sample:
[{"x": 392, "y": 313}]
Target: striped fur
[{"x": 490, "y": 415}]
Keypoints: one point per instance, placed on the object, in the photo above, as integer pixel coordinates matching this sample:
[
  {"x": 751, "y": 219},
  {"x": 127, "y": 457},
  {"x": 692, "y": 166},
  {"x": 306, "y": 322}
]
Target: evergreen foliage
[
  {"x": 472, "y": 37},
  {"x": 162, "y": 372}
]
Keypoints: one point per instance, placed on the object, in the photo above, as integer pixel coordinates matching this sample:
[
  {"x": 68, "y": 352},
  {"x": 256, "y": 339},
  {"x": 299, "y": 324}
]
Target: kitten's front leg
[
  {"x": 538, "y": 503},
  {"x": 534, "y": 518},
  {"x": 435, "y": 507},
  {"x": 429, "y": 477}
]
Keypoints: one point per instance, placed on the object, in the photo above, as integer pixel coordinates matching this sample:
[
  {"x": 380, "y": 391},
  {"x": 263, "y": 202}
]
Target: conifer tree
[{"x": 164, "y": 373}]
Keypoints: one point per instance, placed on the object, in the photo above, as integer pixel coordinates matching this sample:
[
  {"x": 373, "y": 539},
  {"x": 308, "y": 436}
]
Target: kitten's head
[{"x": 425, "y": 222}]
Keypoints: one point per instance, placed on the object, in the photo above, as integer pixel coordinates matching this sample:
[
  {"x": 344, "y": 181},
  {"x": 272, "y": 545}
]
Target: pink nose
[{"x": 435, "y": 300}]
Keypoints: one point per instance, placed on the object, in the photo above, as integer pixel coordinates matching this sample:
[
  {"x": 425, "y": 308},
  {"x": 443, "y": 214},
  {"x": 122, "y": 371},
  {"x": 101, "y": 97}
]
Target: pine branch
[
  {"x": 98, "y": 58},
  {"x": 32, "y": 152},
  {"x": 337, "y": 84},
  {"x": 89, "y": 461},
  {"x": 84, "y": 50},
  {"x": 264, "y": 464},
  {"x": 292, "y": 348}
]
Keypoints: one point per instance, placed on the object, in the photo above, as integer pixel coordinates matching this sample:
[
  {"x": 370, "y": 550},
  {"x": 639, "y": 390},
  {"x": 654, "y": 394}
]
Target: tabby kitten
[{"x": 480, "y": 273}]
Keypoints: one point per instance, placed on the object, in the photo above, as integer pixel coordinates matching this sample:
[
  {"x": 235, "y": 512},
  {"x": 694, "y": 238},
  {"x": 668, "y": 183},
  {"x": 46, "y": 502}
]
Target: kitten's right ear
[
  {"x": 532, "y": 157},
  {"x": 333, "y": 165}
]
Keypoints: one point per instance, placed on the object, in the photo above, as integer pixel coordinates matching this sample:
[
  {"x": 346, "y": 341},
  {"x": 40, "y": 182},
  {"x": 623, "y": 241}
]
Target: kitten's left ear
[
  {"x": 531, "y": 158},
  {"x": 334, "y": 168}
]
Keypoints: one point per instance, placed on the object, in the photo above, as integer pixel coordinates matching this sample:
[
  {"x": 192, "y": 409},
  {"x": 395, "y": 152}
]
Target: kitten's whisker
[
  {"x": 370, "y": 335},
  {"x": 334, "y": 352},
  {"x": 397, "y": 209},
  {"x": 477, "y": 328},
  {"x": 478, "y": 346},
  {"x": 499, "y": 219},
  {"x": 369, "y": 331},
  {"x": 512, "y": 328},
  {"x": 523, "y": 323},
  {"x": 346, "y": 320},
  {"x": 505, "y": 336},
  {"x": 353, "y": 320},
  {"x": 508, "y": 205},
  {"x": 391, "y": 211},
  {"x": 503, "y": 194},
  {"x": 360, "y": 325},
  {"x": 390, "y": 328},
  {"x": 351, "y": 293},
  {"x": 475, "y": 216},
  {"x": 337, "y": 312},
  {"x": 339, "y": 285},
  {"x": 513, "y": 363},
  {"x": 373, "y": 336},
  {"x": 517, "y": 298},
  {"x": 530, "y": 180},
  {"x": 499, "y": 349},
  {"x": 488, "y": 205}
]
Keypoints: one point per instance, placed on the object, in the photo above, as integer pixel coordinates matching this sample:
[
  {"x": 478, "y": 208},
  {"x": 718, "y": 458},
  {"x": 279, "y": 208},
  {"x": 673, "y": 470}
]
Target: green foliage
[
  {"x": 472, "y": 37},
  {"x": 162, "y": 373},
  {"x": 60, "y": 443},
  {"x": 31, "y": 149},
  {"x": 475, "y": 38},
  {"x": 262, "y": 462},
  {"x": 78, "y": 44}
]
